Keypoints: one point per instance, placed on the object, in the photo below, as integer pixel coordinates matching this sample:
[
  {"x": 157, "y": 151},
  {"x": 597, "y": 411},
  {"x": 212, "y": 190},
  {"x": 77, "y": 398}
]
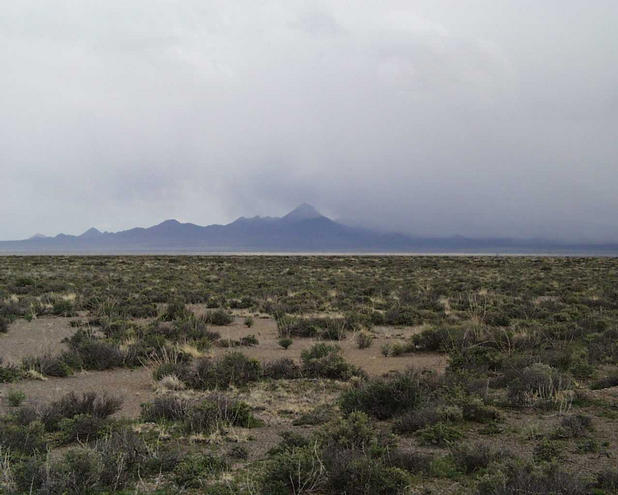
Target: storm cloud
[{"x": 432, "y": 117}]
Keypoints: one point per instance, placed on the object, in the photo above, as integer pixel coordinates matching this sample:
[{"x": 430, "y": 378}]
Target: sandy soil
[{"x": 33, "y": 338}]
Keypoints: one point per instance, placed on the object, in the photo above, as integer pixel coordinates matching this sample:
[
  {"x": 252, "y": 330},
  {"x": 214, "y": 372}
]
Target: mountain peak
[
  {"x": 91, "y": 232},
  {"x": 38, "y": 236},
  {"x": 303, "y": 211}
]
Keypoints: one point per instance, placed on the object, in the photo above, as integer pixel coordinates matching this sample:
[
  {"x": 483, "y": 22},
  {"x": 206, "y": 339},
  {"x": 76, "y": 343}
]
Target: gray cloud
[{"x": 434, "y": 117}]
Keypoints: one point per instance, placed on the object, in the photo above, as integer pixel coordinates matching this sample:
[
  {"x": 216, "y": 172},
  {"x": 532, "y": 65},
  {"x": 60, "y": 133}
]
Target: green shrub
[
  {"x": 473, "y": 458},
  {"x": 351, "y": 472},
  {"x": 414, "y": 420},
  {"x": 439, "y": 434},
  {"x": 27, "y": 439},
  {"x": 548, "y": 451},
  {"x": 364, "y": 340},
  {"x": 10, "y": 373},
  {"x": 573, "y": 426},
  {"x": 175, "y": 310},
  {"x": 298, "y": 470},
  {"x": 47, "y": 365},
  {"x": 219, "y": 317},
  {"x": 233, "y": 368},
  {"x": 249, "y": 321},
  {"x": 194, "y": 469},
  {"x": 384, "y": 398},
  {"x": 71, "y": 405},
  {"x": 475, "y": 410},
  {"x": 283, "y": 368},
  {"x": 285, "y": 342},
  {"x": 15, "y": 397},
  {"x": 538, "y": 384},
  {"x": 81, "y": 428},
  {"x": 325, "y": 361}
]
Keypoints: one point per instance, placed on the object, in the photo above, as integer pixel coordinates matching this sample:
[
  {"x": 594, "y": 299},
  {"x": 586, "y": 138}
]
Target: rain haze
[{"x": 433, "y": 118}]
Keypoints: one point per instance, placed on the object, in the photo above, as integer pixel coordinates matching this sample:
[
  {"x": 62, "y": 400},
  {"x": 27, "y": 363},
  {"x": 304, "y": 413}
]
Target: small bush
[
  {"x": 47, "y": 365},
  {"x": 10, "y": 373},
  {"x": 415, "y": 420},
  {"x": 364, "y": 340},
  {"x": 608, "y": 381},
  {"x": 249, "y": 321},
  {"x": 27, "y": 439},
  {"x": 194, "y": 469},
  {"x": 472, "y": 458},
  {"x": 298, "y": 470},
  {"x": 4, "y": 324},
  {"x": 15, "y": 398},
  {"x": 538, "y": 384},
  {"x": 175, "y": 310},
  {"x": 573, "y": 426},
  {"x": 234, "y": 368},
  {"x": 219, "y": 317},
  {"x": 475, "y": 410},
  {"x": 80, "y": 428},
  {"x": 283, "y": 368},
  {"x": 384, "y": 398},
  {"x": 325, "y": 361},
  {"x": 71, "y": 405},
  {"x": 547, "y": 451},
  {"x": 439, "y": 434},
  {"x": 285, "y": 342}
]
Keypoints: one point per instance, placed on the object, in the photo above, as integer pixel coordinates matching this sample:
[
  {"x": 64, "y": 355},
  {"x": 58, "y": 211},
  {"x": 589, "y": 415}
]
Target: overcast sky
[{"x": 432, "y": 117}]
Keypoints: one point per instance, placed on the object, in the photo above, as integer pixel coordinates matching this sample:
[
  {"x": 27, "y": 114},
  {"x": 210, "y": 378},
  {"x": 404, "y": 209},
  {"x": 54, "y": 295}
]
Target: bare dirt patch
[{"x": 33, "y": 338}]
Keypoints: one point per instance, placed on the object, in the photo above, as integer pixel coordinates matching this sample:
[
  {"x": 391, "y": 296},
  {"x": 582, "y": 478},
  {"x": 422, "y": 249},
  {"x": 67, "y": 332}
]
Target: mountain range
[{"x": 303, "y": 229}]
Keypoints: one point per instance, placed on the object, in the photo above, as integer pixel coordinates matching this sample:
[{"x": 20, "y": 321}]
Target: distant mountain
[{"x": 304, "y": 229}]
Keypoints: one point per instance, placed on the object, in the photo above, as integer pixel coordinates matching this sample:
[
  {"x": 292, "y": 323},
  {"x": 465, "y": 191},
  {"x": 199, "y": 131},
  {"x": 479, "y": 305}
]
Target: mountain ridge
[{"x": 304, "y": 229}]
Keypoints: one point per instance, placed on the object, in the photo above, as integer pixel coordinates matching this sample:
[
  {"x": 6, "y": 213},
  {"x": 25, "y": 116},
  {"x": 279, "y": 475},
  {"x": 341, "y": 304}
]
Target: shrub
[
  {"x": 325, "y": 361},
  {"x": 475, "y": 410},
  {"x": 576, "y": 425},
  {"x": 249, "y": 340},
  {"x": 607, "y": 480},
  {"x": 524, "y": 480},
  {"x": 547, "y": 450},
  {"x": 297, "y": 470},
  {"x": 203, "y": 416},
  {"x": 439, "y": 434},
  {"x": 472, "y": 458},
  {"x": 9, "y": 373},
  {"x": 285, "y": 342},
  {"x": 4, "y": 324},
  {"x": 234, "y": 368},
  {"x": 538, "y": 384},
  {"x": 219, "y": 317},
  {"x": 81, "y": 428},
  {"x": 192, "y": 471},
  {"x": 27, "y": 439},
  {"x": 410, "y": 461},
  {"x": 47, "y": 365},
  {"x": 351, "y": 472},
  {"x": 283, "y": 368},
  {"x": 249, "y": 321},
  {"x": 384, "y": 398},
  {"x": 364, "y": 340},
  {"x": 15, "y": 397},
  {"x": 71, "y": 405},
  {"x": 175, "y": 310},
  {"x": 608, "y": 381},
  {"x": 414, "y": 420}
]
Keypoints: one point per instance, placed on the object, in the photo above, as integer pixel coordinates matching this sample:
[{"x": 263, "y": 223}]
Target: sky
[{"x": 481, "y": 118}]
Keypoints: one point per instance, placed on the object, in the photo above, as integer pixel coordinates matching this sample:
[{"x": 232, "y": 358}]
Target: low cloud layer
[{"x": 435, "y": 117}]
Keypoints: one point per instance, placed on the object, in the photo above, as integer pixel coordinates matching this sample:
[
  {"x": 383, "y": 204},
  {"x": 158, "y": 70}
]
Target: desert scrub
[
  {"x": 326, "y": 361},
  {"x": 364, "y": 340},
  {"x": 285, "y": 342},
  {"x": 384, "y": 398},
  {"x": 15, "y": 397},
  {"x": 200, "y": 416},
  {"x": 233, "y": 368},
  {"x": 539, "y": 385}
]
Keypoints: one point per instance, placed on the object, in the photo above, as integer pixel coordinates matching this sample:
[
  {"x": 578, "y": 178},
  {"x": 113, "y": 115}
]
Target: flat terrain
[{"x": 300, "y": 374}]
